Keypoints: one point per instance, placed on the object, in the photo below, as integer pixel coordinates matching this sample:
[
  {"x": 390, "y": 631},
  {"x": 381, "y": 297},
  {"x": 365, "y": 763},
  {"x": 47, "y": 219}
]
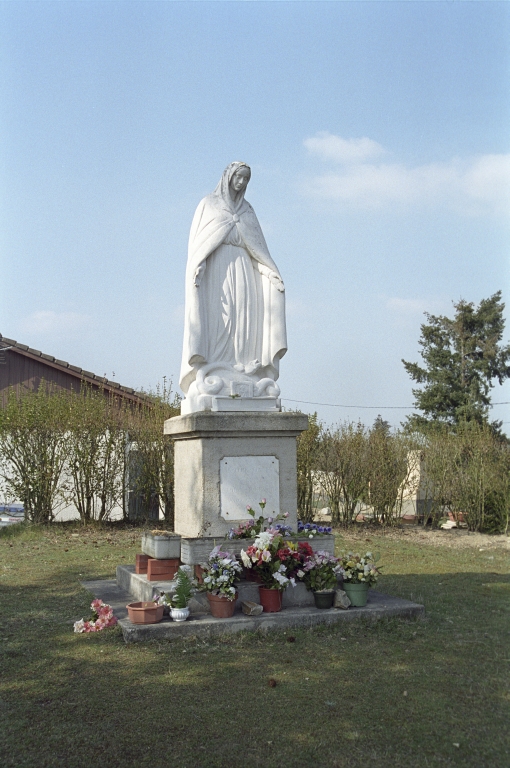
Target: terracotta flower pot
[
  {"x": 145, "y": 612},
  {"x": 162, "y": 570},
  {"x": 270, "y": 599},
  {"x": 141, "y": 563},
  {"x": 221, "y": 606}
]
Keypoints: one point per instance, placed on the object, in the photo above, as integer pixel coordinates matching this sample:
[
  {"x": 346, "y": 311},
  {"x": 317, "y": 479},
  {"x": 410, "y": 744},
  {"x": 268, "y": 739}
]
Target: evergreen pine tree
[{"x": 463, "y": 358}]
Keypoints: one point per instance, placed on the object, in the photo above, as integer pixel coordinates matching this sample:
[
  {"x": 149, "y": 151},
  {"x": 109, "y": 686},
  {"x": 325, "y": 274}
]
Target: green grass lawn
[{"x": 396, "y": 693}]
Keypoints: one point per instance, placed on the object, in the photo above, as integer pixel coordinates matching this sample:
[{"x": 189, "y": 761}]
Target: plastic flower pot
[
  {"x": 324, "y": 599},
  {"x": 221, "y": 606},
  {"x": 179, "y": 614},
  {"x": 357, "y": 593},
  {"x": 270, "y": 599},
  {"x": 145, "y": 612}
]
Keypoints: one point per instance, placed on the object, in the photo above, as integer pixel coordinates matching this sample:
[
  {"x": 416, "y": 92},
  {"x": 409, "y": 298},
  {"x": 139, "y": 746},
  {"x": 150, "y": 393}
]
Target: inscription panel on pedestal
[{"x": 247, "y": 480}]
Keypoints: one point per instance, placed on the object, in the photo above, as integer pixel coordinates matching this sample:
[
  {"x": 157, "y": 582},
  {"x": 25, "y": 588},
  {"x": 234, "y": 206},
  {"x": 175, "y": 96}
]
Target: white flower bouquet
[
  {"x": 359, "y": 569},
  {"x": 273, "y": 559},
  {"x": 220, "y": 573}
]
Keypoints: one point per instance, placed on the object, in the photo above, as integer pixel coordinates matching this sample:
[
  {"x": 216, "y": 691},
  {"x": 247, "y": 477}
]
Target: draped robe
[{"x": 235, "y": 315}]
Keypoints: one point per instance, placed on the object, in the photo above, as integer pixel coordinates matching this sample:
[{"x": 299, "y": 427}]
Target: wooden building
[{"x": 23, "y": 368}]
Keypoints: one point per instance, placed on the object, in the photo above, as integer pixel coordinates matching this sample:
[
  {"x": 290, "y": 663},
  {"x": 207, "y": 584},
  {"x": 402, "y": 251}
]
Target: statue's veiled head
[{"x": 233, "y": 183}]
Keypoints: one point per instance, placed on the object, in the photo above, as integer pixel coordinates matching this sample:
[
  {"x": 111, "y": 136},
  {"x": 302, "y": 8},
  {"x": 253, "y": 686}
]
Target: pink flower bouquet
[{"x": 101, "y": 619}]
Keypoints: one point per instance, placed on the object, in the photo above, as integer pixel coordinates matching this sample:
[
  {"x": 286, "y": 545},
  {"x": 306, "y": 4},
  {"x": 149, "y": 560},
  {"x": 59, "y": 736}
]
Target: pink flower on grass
[{"x": 105, "y": 618}]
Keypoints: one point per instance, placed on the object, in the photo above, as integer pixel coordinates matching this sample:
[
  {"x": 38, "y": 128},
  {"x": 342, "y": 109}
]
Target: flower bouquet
[
  {"x": 102, "y": 618},
  {"x": 252, "y": 528},
  {"x": 218, "y": 577},
  {"x": 360, "y": 573},
  {"x": 319, "y": 573},
  {"x": 274, "y": 560},
  {"x": 359, "y": 569}
]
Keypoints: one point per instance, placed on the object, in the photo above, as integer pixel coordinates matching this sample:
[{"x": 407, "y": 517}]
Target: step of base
[
  {"x": 142, "y": 588},
  {"x": 379, "y": 606}
]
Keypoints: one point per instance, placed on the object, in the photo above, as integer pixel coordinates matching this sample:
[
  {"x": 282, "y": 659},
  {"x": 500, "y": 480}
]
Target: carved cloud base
[{"x": 223, "y": 387}]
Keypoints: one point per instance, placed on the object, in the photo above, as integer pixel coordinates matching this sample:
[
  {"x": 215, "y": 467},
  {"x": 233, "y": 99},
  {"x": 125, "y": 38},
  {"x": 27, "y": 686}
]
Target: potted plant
[
  {"x": 179, "y": 610},
  {"x": 218, "y": 577},
  {"x": 360, "y": 573},
  {"x": 274, "y": 560},
  {"x": 319, "y": 572}
]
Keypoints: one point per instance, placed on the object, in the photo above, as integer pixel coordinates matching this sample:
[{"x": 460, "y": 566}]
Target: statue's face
[{"x": 240, "y": 179}]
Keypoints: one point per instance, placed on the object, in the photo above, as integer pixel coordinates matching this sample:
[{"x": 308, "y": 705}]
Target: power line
[
  {"x": 366, "y": 407},
  {"x": 336, "y": 405}
]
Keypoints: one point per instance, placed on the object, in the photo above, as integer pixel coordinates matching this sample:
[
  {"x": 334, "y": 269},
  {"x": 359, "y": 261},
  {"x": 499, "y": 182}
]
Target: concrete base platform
[
  {"x": 379, "y": 606},
  {"x": 137, "y": 585}
]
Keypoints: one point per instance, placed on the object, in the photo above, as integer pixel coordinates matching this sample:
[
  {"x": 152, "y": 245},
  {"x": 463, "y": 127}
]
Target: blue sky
[{"x": 378, "y": 136}]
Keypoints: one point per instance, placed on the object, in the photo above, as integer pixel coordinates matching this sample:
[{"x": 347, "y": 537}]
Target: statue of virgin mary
[{"x": 234, "y": 331}]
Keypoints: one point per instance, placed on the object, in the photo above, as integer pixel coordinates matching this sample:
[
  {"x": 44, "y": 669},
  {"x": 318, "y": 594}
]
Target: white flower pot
[{"x": 179, "y": 614}]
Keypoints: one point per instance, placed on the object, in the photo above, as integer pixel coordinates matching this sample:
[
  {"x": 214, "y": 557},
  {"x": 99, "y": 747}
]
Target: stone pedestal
[
  {"x": 197, "y": 551},
  {"x": 226, "y": 461}
]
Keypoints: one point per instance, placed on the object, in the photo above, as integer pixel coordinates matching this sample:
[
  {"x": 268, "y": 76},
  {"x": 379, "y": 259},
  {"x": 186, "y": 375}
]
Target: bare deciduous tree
[
  {"x": 96, "y": 436},
  {"x": 153, "y": 452},
  {"x": 343, "y": 467}
]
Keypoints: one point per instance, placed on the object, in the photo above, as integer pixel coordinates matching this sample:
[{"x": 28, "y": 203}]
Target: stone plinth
[
  {"x": 225, "y": 461},
  {"x": 197, "y": 551}
]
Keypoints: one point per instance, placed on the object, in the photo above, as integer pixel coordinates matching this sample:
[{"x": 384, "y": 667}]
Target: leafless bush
[
  {"x": 96, "y": 437},
  {"x": 468, "y": 475},
  {"x": 343, "y": 469},
  {"x": 33, "y": 450},
  {"x": 152, "y": 453},
  {"x": 308, "y": 445}
]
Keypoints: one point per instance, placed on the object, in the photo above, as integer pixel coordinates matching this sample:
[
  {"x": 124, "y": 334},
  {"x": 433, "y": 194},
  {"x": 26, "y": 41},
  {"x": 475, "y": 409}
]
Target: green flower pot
[
  {"x": 357, "y": 594},
  {"x": 324, "y": 599}
]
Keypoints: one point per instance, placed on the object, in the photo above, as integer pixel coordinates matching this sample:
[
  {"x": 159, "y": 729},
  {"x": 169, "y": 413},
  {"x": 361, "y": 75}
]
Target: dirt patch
[{"x": 456, "y": 538}]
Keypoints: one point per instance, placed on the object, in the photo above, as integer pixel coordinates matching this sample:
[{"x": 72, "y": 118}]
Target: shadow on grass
[{"x": 393, "y": 693}]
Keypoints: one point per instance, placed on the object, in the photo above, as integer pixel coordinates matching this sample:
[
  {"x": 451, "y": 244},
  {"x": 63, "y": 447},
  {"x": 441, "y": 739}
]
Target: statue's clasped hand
[
  {"x": 197, "y": 277},
  {"x": 277, "y": 281}
]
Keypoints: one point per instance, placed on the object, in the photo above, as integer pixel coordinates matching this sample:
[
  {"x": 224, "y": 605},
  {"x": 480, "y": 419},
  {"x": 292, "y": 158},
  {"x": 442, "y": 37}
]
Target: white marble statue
[{"x": 234, "y": 332}]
